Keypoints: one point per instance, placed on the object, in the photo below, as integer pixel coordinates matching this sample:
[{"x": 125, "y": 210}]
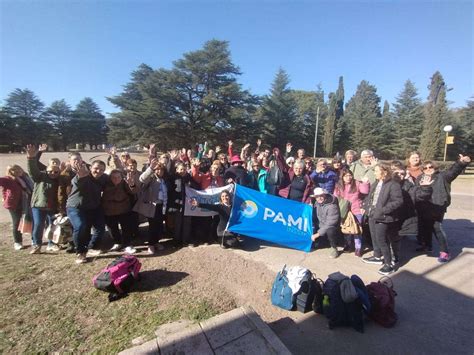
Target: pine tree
[
  {"x": 363, "y": 118},
  {"x": 23, "y": 103},
  {"x": 341, "y": 134},
  {"x": 431, "y": 146},
  {"x": 463, "y": 132},
  {"x": 59, "y": 114},
  {"x": 408, "y": 121},
  {"x": 330, "y": 125},
  {"x": 88, "y": 124},
  {"x": 278, "y": 112},
  {"x": 386, "y": 147}
]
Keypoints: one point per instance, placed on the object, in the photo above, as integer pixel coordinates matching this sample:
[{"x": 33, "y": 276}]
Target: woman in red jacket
[{"x": 17, "y": 188}]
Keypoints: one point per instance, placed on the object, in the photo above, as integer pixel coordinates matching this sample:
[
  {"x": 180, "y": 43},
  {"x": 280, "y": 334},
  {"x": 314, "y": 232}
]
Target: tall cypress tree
[
  {"x": 386, "y": 149},
  {"x": 432, "y": 143},
  {"x": 330, "y": 125},
  {"x": 408, "y": 120}
]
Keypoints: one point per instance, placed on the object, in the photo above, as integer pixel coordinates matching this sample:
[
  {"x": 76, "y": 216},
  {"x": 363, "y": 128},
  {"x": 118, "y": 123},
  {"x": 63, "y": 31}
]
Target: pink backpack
[{"x": 119, "y": 276}]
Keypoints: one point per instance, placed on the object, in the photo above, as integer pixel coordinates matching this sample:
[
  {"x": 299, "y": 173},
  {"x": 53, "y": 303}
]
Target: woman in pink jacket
[{"x": 353, "y": 191}]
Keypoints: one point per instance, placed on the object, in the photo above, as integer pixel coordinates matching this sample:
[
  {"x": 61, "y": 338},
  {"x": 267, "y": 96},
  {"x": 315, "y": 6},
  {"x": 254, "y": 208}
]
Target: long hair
[{"x": 340, "y": 186}]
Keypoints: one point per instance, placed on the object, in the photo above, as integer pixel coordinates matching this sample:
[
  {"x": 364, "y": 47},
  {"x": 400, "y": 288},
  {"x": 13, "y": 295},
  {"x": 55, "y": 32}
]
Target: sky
[{"x": 74, "y": 49}]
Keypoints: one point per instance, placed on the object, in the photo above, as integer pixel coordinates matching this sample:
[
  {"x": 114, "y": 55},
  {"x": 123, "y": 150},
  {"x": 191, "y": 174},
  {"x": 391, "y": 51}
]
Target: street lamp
[{"x": 448, "y": 140}]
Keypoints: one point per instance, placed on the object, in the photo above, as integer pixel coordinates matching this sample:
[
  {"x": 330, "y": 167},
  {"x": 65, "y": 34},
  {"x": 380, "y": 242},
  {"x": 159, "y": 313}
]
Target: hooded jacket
[{"x": 327, "y": 213}]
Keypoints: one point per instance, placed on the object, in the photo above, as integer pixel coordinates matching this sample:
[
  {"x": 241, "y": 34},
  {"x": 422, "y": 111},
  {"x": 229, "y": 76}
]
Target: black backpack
[{"x": 309, "y": 294}]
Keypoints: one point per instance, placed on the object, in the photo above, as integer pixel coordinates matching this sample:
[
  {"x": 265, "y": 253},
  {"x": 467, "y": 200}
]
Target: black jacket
[
  {"x": 236, "y": 173},
  {"x": 224, "y": 214},
  {"x": 389, "y": 203},
  {"x": 408, "y": 216},
  {"x": 436, "y": 206}
]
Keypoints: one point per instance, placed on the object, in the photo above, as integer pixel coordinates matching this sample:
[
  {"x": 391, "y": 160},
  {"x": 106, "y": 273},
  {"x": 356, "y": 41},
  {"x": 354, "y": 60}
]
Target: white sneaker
[
  {"x": 130, "y": 250},
  {"x": 53, "y": 248},
  {"x": 81, "y": 258},
  {"x": 35, "y": 249},
  {"x": 159, "y": 246},
  {"x": 94, "y": 252},
  {"x": 151, "y": 250},
  {"x": 115, "y": 247},
  {"x": 17, "y": 246}
]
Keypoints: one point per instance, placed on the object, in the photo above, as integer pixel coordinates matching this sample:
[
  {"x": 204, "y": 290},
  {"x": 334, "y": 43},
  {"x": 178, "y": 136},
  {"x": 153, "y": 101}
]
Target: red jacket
[
  {"x": 204, "y": 180},
  {"x": 12, "y": 193}
]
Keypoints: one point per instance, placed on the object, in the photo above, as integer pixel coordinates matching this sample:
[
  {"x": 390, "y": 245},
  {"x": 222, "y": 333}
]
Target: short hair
[
  {"x": 322, "y": 160},
  {"x": 351, "y": 152},
  {"x": 298, "y": 162},
  {"x": 131, "y": 161},
  {"x": 12, "y": 167},
  {"x": 99, "y": 162},
  {"x": 116, "y": 171},
  {"x": 397, "y": 164},
  {"x": 432, "y": 163},
  {"x": 367, "y": 152}
]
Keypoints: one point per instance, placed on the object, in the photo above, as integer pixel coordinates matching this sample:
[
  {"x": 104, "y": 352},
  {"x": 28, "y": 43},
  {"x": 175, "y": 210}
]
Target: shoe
[
  {"x": 151, "y": 250},
  {"x": 94, "y": 252},
  {"x": 159, "y": 246},
  {"x": 71, "y": 248},
  {"x": 52, "y": 247},
  {"x": 394, "y": 263},
  {"x": 386, "y": 270},
  {"x": 358, "y": 253},
  {"x": 17, "y": 246},
  {"x": 333, "y": 254},
  {"x": 81, "y": 258},
  {"x": 373, "y": 260},
  {"x": 130, "y": 250},
  {"x": 115, "y": 247},
  {"x": 36, "y": 249},
  {"x": 347, "y": 248},
  {"x": 443, "y": 257}
]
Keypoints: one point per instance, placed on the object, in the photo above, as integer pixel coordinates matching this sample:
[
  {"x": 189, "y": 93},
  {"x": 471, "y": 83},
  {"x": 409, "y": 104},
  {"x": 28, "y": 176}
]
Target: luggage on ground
[
  {"x": 382, "y": 298},
  {"x": 118, "y": 277}
]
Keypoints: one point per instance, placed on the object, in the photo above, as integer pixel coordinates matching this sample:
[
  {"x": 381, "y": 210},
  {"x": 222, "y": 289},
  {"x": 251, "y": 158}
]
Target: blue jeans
[
  {"x": 40, "y": 216},
  {"x": 82, "y": 221}
]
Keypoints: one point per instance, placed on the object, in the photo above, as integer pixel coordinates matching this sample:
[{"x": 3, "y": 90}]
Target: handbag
[
  {"x": 350, "y": 225},
  {"x": 282, "y": 295}
]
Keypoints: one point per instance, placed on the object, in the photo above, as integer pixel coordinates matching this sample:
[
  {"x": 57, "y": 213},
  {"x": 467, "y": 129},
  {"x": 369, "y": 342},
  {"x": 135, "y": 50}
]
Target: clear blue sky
[{"x": 73, "y": 49}]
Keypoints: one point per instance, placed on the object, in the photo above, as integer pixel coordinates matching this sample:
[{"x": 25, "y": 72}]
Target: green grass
[{"x": 48, "y": 304}]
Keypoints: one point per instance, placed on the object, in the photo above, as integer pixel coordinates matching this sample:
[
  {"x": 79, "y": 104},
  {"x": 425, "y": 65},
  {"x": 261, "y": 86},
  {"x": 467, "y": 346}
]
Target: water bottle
[{"x": 326, "y": 304}]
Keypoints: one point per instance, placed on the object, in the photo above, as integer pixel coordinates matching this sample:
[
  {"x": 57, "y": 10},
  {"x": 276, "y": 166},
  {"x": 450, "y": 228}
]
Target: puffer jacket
[
  {"x": 45, "y": 191},
  {"x": 327, "y": 214},
  {"x": 389, "y": 203},
  {"x": 440, "y": 199}
]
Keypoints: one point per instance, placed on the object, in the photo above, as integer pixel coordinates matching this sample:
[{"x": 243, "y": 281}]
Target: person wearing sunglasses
[
  {"x": 431, "y": 212},
  {"x": 44, "y": 200}
]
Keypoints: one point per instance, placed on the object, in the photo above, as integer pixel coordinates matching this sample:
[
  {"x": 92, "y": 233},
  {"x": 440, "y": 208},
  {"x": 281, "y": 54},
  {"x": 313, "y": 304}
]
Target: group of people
[{"x": 386, "y": 201}]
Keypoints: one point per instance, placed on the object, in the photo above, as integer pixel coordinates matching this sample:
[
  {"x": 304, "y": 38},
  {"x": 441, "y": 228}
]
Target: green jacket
[
  {"x": 360, "y": 170},
  {"x": 45, "y": 191}
]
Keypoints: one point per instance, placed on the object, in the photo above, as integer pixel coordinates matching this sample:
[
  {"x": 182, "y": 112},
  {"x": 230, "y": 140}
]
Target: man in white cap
[{"x": 326, "y": 219}]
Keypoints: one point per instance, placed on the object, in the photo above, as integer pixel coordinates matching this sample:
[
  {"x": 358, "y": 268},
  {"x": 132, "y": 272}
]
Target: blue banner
[{"x": 271, "y": 218}]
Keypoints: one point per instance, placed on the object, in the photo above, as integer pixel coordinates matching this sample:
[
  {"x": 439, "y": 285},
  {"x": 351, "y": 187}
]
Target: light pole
[{"x": 447, "y": 141}]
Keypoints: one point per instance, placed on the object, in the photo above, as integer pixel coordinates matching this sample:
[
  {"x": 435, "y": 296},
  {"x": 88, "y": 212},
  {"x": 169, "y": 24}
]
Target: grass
[{"x": 48, "y": 304}]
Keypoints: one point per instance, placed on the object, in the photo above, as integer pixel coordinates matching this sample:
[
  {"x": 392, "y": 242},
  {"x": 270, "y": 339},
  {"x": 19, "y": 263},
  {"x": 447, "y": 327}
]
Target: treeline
[
  {"x": 25, "y": 119},
  {"x": 200, "y": 99}
]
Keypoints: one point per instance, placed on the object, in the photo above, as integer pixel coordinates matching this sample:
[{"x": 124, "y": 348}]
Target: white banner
[{"x": 210, "y": 196}]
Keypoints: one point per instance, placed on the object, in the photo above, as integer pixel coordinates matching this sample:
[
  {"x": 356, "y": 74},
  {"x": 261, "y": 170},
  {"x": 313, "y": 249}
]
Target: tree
[
  {"x": 342, "y": 132},
  {"x": 279, "y": 112},
  {"x": 88, "y": 124},
  {"x": 386, "y": 146},
  {"x": 198, "y": 99},
  {"x": 307, "y": 104},
  {"x": 463, "y": 131},
  {"x": 431, "y": 146},
  {"x": 363, "y": 118},
  {"x": 23, "y": 103},
  {"x": 58, "y": 114},
  {"x": 408, "y": 121},
  {"x": 330, "y": 125}
]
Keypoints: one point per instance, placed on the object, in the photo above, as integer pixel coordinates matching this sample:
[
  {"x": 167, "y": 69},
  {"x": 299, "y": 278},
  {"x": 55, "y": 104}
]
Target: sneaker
[
  {"x": 151, "y": 250},
  {"x": 443, "y": 257},
  {"x": 373, "y": 260},
  {"x": 347, "y": 248},
  {"x": 94, "y": 252},
  {"x": 333, "y": 254},
  {"x": 81, "y": 258},
  {"x": 53, "y": 248},
  {"x": 386, "y": 270},
  {"x": 115, "y": 247},
  {"x": 71, "y": 249},
  {"x": 130, "y": 250},
  {"x": 17, "y": 246},
  {"x": 159, "y": 246},
  {"x": 36, "y": 249},
  {"x": 394, "y": 263},
  {"x": 358, "y": 253}
]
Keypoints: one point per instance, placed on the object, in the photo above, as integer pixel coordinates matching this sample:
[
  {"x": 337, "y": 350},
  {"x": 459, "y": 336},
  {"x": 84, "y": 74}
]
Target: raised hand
[
  {"x": 464, "y": 158},
  {"x": 426, "y": 180},
  {"x": 43, "y": 147},
  {"x": 154, "y": 163},
  {"x": 373, "y": 161},
  {"x": 230, "y": 143},
  {"x": 247, "y": 146},
  {"x": 195, "y": 162},
  {"x": 30, "y": 150},
  {"x": 259, "y": 142},
  {"x": 218, "y": 149},
  {"x": 152, "y": 150},
  {"x": 289, "y": 146}
]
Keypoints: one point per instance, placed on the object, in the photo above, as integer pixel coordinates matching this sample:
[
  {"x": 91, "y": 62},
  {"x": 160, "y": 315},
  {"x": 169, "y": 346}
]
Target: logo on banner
[{"x": 249, "y": 209}]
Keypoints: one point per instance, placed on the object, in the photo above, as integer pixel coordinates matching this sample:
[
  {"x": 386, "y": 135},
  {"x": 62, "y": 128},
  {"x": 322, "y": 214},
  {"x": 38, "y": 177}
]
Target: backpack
[
  {"x": 382, "y": 298},
  {"x": 318, "y": 295},
  {"x": 118, "y": 277},
  {"x": 282, "y": 294},
  {"x": 340, "y": 313},
  {"x": 310, "y": 295}
]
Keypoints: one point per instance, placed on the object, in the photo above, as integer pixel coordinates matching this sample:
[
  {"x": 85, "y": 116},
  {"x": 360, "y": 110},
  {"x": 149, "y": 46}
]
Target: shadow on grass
[{"x": 154, "y": 279}]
